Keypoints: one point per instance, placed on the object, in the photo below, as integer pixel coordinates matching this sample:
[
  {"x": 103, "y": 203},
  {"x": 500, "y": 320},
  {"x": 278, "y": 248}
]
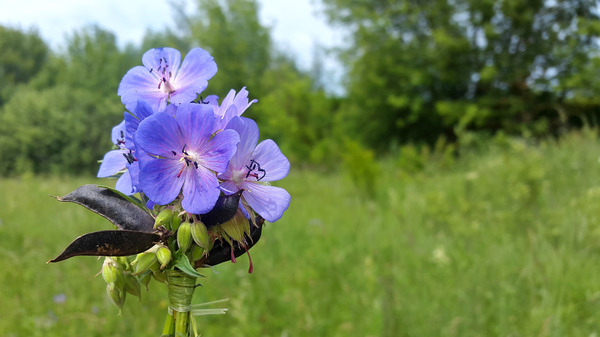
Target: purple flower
[
  {"x": 129, "y": 182},
  {"x": 124, "y": 159},
  {"x": 233, "y": 105},
  {"x": 182, "y": 155},
  {"x": 252, "y": 167},
  {"x": 115, "y": 161},
  {"x": 161, "y": 80}
]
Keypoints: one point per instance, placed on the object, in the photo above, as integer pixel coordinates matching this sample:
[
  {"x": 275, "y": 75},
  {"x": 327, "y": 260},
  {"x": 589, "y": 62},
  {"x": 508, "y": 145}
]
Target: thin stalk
[
  {"x": 182, "y": 321},
  {"x": 169, "y": 328}
]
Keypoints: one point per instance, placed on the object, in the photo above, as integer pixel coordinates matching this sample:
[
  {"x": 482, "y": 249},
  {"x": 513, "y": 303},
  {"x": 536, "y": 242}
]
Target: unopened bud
[
  {"x": 164, "y": 256},
  {"x": 145, "y": 279},
  {"x": 122, "y": 262},
  {"x": 116, "y": 295},
  {"x": 197, "y": 253},
  {"x": 163, "y": 218},
  {"x": 110, "y": 271},
  {"x": 144, "y": 262},
  {"x": 184, "y": 236},
  {"x": 200, "y": 234},
  {"x": 175, "y": 221},
  {"x": 132, "y": 286}
]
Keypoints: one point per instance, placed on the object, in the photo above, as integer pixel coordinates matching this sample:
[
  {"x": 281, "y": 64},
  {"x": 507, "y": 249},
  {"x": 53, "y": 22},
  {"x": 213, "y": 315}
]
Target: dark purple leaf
[
  {"x": 224, "y": 210},
  {"x": 109, "y": 243},
  {"x": 114, "y": 207},
  {"x": 221, "y": 251}
]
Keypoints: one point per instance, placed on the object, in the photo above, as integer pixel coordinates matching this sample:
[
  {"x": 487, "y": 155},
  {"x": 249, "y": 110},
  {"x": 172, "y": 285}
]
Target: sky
[{"x": 295, "y": 24}]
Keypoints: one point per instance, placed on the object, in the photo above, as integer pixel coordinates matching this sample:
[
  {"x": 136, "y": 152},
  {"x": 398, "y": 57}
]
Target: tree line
[{"x": 416, "y": 71}]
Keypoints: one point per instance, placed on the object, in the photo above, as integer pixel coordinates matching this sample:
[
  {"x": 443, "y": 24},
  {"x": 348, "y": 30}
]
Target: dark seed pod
[
  {"x": 114, "y": 207},
  {"x": 224, "y": 210},
  {"x": 221, "y": 251},
  {"x": 109, "y": 243}
]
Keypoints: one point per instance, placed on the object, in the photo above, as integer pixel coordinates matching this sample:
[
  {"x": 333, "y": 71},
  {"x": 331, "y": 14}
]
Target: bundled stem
[{"x": 181, "y": 290}]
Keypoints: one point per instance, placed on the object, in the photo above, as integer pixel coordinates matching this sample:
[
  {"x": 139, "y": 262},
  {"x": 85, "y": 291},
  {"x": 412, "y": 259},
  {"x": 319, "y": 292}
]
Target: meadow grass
[{"x": 502, "y": 241}]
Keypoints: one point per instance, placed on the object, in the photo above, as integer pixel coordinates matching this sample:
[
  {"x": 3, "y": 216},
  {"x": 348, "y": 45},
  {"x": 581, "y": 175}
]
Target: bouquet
[{"x": 193, "y": 187}]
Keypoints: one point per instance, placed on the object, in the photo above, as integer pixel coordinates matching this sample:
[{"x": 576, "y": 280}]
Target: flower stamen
[{"x": 255, "y": 166}]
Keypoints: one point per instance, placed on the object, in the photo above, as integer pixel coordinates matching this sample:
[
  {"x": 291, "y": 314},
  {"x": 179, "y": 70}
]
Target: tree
[
  {"x": 421, "y": 69},
  {"x": 23, "y": 56},
  {"x": 231, "y": 31}
]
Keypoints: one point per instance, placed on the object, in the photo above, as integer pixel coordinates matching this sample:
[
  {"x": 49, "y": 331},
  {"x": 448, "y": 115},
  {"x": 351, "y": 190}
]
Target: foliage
[
  {"x": 504, "y": 241},
  {"x": 23, "y": 56},
  {"x": 231, "y": 32},
  {"x": 418, "y": 73},
  {"x": 60, "y": 130},
  {"x": 299, "y": 117},
  {"x": 421, "y": 68}
]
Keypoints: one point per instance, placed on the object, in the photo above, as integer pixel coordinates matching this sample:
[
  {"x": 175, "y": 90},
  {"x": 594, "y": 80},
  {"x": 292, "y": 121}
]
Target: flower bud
[
  {"x": 184, "y": 236},
  {"x": 175, "y": 221},
  {"x": 144, "y": 262},
  {"x": 116, "y": 296},
  {"x": 164, "y": 256},
  {"x": 197, "y": 253},
  {"x": 122, "y": 262},
  {"x": 132, "y": 286},
  {"x": 145, "y": 279},
  {"x": 110, "y": 271},
  {"x": 163, "y": 218},
  {"x": 200, "y": 234}
]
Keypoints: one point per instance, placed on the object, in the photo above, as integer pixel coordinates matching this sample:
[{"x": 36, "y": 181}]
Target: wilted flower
[
  {"x": 161, "y": 81},
  {"x": 252, "y": 167},
  {"x": 182, "y": 155}
]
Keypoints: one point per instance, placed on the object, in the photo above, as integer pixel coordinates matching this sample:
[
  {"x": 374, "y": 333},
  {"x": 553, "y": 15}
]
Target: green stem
[
  {"x": 182, "y": 321},
  {"x": 169, "y": 328}
]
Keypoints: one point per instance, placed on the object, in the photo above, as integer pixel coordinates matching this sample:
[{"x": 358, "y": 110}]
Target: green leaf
[{"x": 183, "y": 263}]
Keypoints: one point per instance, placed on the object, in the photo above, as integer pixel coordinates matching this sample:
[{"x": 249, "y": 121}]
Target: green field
[{"x": 503, "y": 241}]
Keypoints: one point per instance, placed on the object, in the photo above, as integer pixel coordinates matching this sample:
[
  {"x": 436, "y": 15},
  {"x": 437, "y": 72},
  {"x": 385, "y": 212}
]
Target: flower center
[
  {"x": 190, "y": 159},
  {"x": 163, "y": 74}
]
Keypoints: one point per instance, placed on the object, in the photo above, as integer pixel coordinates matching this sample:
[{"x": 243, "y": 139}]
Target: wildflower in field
[
  {"x": 161, "y": 81},
  {"x": 115, "y": 161},
  {"x": 233, "y": 105},
  {"x": 252, "y": 167},
  {"x": 180, "y": 154},
  {"x": 129, "y": 183}
]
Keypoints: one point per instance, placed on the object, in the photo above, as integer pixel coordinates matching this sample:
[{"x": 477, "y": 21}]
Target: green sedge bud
[
  {"x": 144, "y": 262},
  {"x": 164, "y": 256},
  {"x": 145, "y": 279},
  {"x": 132, "y": 286},
  {"x": 110, "y": 271},
  {"x": 197, "y": 253},
  {"x": 116, "y": 296},
  {"x": 163, "y": 218},
  {"x": 184, "y": 236},
  {"x": 200, "y": 234},
  {"x": 175, "y": 221},
  {"x": 122, "y": 262}
]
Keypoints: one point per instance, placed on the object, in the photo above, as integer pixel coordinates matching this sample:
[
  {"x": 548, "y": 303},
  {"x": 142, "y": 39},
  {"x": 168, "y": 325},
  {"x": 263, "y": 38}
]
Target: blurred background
[{"x": 445, "y": 163}]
